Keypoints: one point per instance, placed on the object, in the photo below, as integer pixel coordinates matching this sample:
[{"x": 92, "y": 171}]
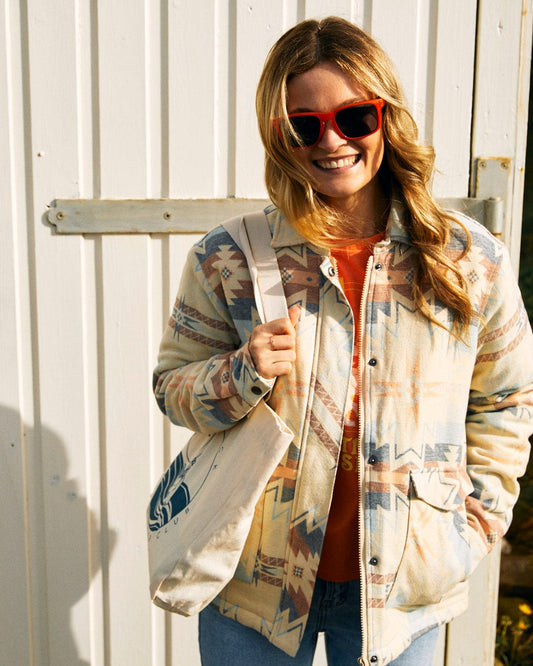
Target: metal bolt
[
  {"x": 167, "y": 215},
  {"x": 504, "y": 165},
  {"x": 482, "y": 165},
  {"x": 60, "y": 215}
]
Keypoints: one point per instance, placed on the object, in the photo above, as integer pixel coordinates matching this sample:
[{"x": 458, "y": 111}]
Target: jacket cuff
[{"x": 255, "y": 387}]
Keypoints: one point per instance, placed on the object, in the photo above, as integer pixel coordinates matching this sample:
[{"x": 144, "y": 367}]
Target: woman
[{"x": 404, "y": 371}]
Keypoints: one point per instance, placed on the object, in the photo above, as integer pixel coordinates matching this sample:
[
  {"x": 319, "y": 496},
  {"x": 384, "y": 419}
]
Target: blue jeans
[{"x": 335, "y": 610}]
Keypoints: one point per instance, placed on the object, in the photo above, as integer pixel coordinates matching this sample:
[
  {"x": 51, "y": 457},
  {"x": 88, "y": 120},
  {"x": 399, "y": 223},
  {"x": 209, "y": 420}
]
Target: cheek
[
  {"x": 300, "y": 156},
  {"x": 301, "y": 159},
  {"x": 375, "y": 147}
]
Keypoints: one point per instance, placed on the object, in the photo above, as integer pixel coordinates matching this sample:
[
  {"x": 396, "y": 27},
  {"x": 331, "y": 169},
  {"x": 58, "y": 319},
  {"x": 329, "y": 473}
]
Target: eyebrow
[{"x": 304, "y": 109}]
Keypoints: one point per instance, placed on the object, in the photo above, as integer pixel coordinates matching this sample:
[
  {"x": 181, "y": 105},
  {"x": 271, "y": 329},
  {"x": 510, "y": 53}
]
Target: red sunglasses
[{"x": 353, "y": 121}]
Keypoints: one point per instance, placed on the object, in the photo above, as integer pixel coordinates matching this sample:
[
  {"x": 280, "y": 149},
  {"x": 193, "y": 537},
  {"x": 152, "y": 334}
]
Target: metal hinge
[
  {"x": 493, "y": 181},
  {"x": 488, "y": 212},
  {"x": 491, "y": 192}
]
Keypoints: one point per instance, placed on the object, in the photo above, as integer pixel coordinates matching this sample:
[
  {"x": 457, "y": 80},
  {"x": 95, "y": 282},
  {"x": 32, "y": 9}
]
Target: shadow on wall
[
  {"x": 526, "y": 251},
  {"x": 49, "y": 533}
]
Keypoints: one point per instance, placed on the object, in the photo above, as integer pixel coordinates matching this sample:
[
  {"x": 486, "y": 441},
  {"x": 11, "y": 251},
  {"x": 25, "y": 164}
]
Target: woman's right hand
[{"x": 272, "y": 345}]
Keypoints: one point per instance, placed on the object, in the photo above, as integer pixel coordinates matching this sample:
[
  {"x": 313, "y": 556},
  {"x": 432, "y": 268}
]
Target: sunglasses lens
[
  {"x": 354, "y": 122},
  {"x": 306, "y": 128},
  {"x": 357, "y": 121}
]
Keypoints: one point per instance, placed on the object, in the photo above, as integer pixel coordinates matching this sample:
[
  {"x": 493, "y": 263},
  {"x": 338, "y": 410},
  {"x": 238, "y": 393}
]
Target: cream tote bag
[{"x": 202, "y": 509}]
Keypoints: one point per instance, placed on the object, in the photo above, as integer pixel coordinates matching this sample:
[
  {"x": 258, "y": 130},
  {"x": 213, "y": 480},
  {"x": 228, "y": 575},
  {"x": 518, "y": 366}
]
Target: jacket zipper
[{"x": 360, "y": 469}]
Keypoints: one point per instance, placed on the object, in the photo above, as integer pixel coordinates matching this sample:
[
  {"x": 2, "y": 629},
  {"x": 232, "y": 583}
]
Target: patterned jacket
[{"x": 444, "y": 425}]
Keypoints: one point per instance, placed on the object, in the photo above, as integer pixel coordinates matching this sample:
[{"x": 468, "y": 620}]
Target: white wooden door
[{"x": 147, "y": 100}]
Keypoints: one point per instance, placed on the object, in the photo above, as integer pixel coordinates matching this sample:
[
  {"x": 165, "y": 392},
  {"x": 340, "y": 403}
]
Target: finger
[
  {"x": 278, "y": 342},
  {"x": 280, "y": 369},
  {"x": 285, "y": 355},
  {"x": 281, "y": 364},
  {"x": 286, "y": 325},
  {"x": 279, "y": 327},
  {"x": 294, "y": 314},
  {"x": 270, "y": 364}
]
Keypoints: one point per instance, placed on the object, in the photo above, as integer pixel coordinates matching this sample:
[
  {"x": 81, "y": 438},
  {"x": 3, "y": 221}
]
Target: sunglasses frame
[{"x": 377, "y": 103}]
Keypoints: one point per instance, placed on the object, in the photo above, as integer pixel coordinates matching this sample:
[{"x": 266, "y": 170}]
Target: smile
[{"x": 338, "y": 164}]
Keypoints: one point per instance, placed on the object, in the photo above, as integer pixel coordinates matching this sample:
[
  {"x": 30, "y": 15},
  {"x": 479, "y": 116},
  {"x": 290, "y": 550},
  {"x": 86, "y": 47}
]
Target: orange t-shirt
[{"x": 339, "y": 560}]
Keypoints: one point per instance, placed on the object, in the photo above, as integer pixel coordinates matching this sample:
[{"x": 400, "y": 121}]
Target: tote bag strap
[{"x": 252, "y": 235}]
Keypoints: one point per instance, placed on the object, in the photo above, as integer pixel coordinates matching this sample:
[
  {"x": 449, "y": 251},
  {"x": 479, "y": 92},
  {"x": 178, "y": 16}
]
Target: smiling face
[{"x": 342, "y": 170}]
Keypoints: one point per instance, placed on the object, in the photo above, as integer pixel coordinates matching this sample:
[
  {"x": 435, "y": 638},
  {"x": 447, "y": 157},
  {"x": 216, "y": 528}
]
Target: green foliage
[{"x": 514, "y": 640}]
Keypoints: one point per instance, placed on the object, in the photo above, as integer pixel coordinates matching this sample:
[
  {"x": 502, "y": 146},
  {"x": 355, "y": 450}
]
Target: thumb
[{"x": 294, "y": 314}]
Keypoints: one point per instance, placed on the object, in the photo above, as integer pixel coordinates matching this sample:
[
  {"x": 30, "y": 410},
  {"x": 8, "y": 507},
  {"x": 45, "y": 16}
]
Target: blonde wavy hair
[{"x": 407, "y": 167}]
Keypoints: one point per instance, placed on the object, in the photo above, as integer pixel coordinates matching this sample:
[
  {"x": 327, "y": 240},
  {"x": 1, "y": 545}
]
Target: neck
[{"x": 362, "y": 216}]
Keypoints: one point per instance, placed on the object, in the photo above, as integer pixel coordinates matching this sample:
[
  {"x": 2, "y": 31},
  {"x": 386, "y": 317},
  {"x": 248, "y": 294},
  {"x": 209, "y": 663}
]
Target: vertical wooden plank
[
  {"x": 125, "y": 310},
  {"x": 158, "y": 269},
  {"x": 403, "y": 29},
  {"x": 452, "y": 82},
  {"x": 88, "y": 177},
  {"x": 440, "y": 650},
  {"x": 322, "y": 8},
  {"x": 15, "y": 619},
  {"x": 155, "y": 70},
  {"x": 99, "y": 541},
  {"x": 224, "y": 142},
  {"x": 123, "y": 113},
  {"x": 197, "y": 137},
  {"x": 15, "y": 634},
  {"x": 358, "y": 12},
  {"x": 500, "y": 108},
  {"x": 183, "y": 645},
  {"x": 521, "y": 139},
  {"x": 470, "y": 637},
  {"x": 258, "y": 24},
  {"x": 320, "y": 658},
  {"x": 129, "y": 124},
  {"x": 434, "y": 56},
  {"x": 53, "y": 162}
]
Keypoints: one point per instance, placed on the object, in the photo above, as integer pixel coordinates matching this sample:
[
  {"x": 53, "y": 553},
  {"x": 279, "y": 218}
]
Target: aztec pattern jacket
[{"x": 444, "y": 425}]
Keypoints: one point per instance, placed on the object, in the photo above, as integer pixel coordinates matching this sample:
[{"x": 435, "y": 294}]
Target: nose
[{"x": 330, "y": 139}]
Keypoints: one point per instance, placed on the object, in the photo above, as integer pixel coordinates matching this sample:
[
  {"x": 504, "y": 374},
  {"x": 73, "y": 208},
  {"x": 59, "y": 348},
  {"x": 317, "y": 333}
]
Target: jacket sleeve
[
  {"x": 500, "y": 416},
  {"x": 205, "y": 379}
]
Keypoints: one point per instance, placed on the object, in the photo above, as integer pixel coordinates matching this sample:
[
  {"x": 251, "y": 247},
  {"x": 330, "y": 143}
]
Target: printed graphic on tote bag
[{"x": 173, "y": 495}]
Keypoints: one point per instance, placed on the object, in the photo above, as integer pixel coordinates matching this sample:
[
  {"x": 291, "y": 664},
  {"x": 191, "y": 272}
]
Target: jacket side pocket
[{"x": 437, "y": 554}]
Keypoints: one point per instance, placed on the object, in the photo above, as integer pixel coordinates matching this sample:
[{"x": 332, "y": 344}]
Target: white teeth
[{"x": 338, "y": 164}]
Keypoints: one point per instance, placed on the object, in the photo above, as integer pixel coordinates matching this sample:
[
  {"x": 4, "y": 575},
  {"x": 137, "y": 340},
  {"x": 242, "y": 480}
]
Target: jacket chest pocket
[{"x": 437, "y": 554}]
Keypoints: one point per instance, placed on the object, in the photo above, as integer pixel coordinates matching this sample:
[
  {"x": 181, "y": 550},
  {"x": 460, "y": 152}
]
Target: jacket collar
[
  {"x": 284, "y": 234},
  {"x": 396, "y": 224}
]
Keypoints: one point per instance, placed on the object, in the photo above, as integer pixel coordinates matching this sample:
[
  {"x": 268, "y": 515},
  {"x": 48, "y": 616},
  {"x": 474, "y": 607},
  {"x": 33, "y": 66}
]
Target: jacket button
[
  {"x": 372, "y": 362},
  {"x": 373, "y": 561},
  {"x": 378, "y": 267},
  {"x": 372, "y": 460},
  {"x": 331, "y": 271},
  {"x": 256, "y": 390}
]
